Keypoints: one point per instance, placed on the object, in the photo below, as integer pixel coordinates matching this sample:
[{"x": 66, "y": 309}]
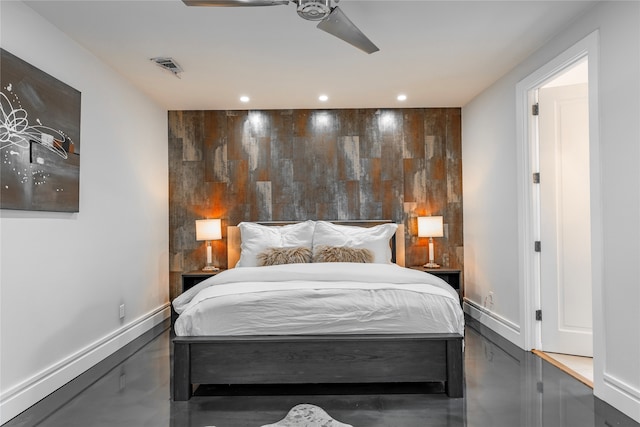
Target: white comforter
[{"x": 322, "y": 298}]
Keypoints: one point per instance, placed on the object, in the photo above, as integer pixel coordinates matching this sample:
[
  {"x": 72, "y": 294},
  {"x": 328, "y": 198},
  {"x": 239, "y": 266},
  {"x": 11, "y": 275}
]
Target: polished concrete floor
[{"x": 505, "y": 387}]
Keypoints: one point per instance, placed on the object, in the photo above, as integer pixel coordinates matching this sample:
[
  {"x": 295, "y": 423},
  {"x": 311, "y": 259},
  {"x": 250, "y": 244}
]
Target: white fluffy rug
[{"x": 306, "y": 415}]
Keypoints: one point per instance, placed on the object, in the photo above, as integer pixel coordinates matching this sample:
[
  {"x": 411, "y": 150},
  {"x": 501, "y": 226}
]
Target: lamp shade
[
  {"x": 208, "y": 229},
  {"x": 430, "y": 226}
]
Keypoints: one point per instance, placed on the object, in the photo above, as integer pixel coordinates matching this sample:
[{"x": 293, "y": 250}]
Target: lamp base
[
  {"x": 210, "y": 268},
  {"x": 431, "y": 265}
]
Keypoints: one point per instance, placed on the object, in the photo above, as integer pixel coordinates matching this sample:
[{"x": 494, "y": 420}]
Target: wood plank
[
  {"x": 235, "y": 134},
  {"x": 215, "y": 147},
  {"x": 453, "y": 147},
  {"x": 239, "y": 182},
  {"x": 282, "y": 135},
  {"x": 415, "y": 179},
  {"x": 348, "y": 158},
  {"x": 321, "y": 361},
  {"x": 413, "y": 130},
  {"x": 320, "y": 337},
  {"x": 182, "y": 388},
  {"x": 454, "y": 386},
  {"x": 263, "y": 201},
  {"x": 318, "y": 359},
  {"x": 371, "y": 140},
  {"x": 193, "y": 136}
]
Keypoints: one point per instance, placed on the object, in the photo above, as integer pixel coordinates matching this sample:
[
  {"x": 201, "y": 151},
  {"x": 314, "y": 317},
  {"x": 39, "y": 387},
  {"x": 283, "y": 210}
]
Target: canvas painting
[{"x": 39, "y": 139}]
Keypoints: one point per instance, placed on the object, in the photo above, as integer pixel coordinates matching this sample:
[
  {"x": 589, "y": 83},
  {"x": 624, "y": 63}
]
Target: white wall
[
  {"x": 63, "y": 276},
  {"x": 491, "y": 197}
]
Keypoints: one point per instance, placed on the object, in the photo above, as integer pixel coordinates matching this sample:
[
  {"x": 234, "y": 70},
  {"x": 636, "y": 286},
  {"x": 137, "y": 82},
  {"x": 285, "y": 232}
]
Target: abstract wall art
[{"x": 39, "y": 139}]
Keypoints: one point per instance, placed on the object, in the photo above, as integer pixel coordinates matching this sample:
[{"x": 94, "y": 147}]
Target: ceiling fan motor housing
[{"x": 314, "y": 10}]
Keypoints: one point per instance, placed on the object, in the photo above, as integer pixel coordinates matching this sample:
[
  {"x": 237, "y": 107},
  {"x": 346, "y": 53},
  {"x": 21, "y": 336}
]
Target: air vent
[{"x": 168, "y": 64}]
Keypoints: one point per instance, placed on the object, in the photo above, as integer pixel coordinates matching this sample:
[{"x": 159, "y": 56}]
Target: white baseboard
[
  {"x": 20, "y": 397},
  {"x": 622, "y": 396},
  {"x": 494, "y": 321}
]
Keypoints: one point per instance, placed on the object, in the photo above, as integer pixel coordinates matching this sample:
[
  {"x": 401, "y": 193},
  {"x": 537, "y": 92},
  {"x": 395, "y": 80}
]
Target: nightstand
[
  {"x": 192, "y": 278},
  {"x": 449, "y": 275}
]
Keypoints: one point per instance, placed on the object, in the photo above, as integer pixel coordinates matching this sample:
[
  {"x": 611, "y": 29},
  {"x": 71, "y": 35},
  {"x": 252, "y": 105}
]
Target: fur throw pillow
[
  {"x": 341, "y": 254},
  {"x": 277, "y": 256}
]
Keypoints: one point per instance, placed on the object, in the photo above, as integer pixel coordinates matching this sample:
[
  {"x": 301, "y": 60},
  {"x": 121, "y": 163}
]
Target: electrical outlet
[{"x": 122, "y": 311}]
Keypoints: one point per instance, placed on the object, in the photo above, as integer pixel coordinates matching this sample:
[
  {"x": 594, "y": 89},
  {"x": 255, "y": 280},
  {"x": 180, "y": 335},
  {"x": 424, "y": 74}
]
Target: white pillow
[
  {"x": 376, "y": 238},
  {"x": 256, "y": 238}
]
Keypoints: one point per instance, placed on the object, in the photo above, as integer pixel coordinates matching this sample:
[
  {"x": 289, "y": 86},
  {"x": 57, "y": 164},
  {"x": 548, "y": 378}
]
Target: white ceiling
[{"x": 439, "y": 53}]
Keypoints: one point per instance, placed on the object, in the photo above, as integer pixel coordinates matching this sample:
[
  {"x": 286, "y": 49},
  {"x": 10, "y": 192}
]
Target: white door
[{"x": 565, "y": 222}]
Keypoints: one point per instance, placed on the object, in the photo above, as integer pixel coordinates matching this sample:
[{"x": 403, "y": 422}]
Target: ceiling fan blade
[
  {"x": 234, "y": 3},
  {"x": 337, "y": 24}
]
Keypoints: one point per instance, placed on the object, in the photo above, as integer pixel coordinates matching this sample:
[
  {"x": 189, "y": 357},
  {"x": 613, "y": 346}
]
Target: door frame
[{"x": 528, "y": 198}]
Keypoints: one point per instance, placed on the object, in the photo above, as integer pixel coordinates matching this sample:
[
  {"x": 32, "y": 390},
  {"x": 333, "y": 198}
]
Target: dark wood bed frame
[{"x": 318, "y": 359}]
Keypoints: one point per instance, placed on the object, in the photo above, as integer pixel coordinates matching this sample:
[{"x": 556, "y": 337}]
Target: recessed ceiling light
[
  {"x": 402, "y": 97},
  {"x": 323, "y": 98},
  {"x": 244, "y": 99}
]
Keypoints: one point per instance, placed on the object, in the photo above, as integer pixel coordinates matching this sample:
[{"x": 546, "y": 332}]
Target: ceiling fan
[{"x": 332, "y": 19}]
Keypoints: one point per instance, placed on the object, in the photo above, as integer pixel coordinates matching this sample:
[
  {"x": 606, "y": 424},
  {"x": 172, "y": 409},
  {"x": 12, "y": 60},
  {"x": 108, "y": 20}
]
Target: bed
[{"x": 229, "y": 328}]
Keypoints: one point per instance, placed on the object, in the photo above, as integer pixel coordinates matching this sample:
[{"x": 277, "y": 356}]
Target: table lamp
[
  {"x": 208, "y": 229},
  {"x": 430, "y": 226}
]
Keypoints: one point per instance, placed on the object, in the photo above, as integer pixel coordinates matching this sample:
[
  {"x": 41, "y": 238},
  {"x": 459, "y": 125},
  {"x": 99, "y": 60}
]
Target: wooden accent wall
[{"x": 393, "y": 164}]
